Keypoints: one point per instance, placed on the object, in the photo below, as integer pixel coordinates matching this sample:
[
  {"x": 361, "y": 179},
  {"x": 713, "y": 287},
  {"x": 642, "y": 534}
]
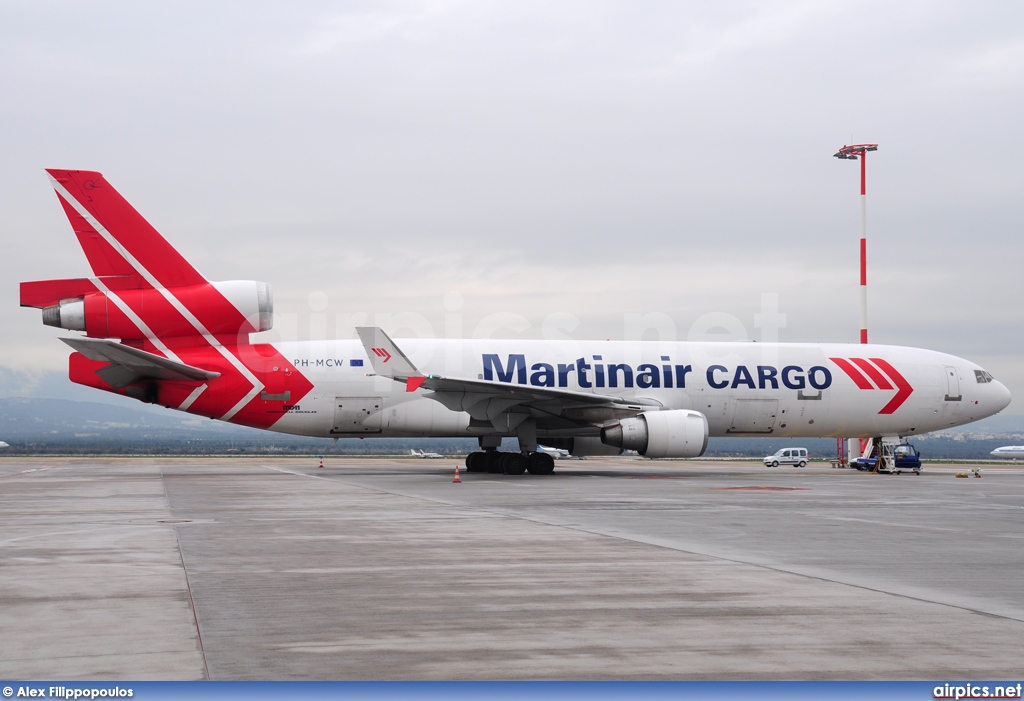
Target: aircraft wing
[
  {"x": 129, "y": 365},
  {"x": 488, "y": 399},
  {"x": 503, "y": 389}
]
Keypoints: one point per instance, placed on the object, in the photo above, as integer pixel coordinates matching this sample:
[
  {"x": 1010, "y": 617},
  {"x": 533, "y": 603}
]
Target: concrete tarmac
[{"x": 609, "y": 569}]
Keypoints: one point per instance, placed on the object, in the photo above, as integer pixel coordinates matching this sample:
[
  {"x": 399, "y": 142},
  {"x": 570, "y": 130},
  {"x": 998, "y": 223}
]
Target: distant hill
[
  {"x": 932, "y": 447},
  {"x": 42, "y": 426},
  {"x": 41, "y": 419},
  {"x": 48, "y": 426}
]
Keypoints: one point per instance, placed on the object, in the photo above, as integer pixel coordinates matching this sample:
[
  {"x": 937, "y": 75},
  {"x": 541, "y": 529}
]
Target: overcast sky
[{"x": 523, "y": 167}]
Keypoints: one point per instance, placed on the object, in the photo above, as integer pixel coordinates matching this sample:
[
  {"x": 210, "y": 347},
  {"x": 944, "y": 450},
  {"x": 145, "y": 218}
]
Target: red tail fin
[
  {"x": 116, "y": 239},
  {"x": 179, "y": 335}
]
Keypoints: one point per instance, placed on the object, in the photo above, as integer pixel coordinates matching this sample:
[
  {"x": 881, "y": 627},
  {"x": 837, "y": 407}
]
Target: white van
[{"x": 787, "y": 456}]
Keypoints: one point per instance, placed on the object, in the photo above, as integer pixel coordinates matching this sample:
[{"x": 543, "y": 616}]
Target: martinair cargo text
[{"x": 158, "y": 331}]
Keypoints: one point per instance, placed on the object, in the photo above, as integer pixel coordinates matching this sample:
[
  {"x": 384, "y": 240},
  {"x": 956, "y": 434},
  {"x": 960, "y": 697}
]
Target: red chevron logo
[
  {"x": 875, "y": 372},
  {"x": 381, "y": 353}
]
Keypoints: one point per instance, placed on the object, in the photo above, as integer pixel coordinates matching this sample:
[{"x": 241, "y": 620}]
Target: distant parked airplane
[
  {"x": 1009, "y": 451},
  {"x": 4, "y": 445},
  {"x": 556, "y": 453},
  {"x": 425, "y": 454}
]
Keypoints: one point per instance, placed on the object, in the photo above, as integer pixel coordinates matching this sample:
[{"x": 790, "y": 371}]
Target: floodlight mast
[{"x": 853, "y": 152}]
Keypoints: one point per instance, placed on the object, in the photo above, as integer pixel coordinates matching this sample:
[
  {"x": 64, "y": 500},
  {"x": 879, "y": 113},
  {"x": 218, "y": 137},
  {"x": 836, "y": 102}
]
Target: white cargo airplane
[
  {"x": 1009, "y": 451},
  {"x": 158, "y": 331},
  {"x": 425, "y": 454}
]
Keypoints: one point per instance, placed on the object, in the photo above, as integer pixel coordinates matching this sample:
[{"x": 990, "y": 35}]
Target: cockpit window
[{"x": 982, "y": 377}]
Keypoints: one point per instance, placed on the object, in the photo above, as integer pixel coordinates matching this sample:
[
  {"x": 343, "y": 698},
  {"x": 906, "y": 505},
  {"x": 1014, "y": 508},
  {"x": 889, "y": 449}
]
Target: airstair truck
[{"x": 884, "y": 456}]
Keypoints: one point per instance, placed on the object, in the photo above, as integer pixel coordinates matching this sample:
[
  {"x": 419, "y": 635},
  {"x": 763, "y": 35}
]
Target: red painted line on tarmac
[{"x": 762, "y": 489}]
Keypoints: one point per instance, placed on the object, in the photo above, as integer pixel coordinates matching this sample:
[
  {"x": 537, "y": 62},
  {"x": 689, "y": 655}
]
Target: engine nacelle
[
  {"x": 249, "y": 308},
  {"x": 69, "y": 314},
  {"x": 675, "y": 433}
]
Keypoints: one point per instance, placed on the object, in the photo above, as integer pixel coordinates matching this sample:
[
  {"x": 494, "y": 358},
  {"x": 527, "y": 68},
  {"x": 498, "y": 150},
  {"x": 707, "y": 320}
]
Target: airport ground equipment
[
  {"x": 840, "y": 459},
  {"x": 887, "y": 456},
  {"x": 797, "y": 457}
]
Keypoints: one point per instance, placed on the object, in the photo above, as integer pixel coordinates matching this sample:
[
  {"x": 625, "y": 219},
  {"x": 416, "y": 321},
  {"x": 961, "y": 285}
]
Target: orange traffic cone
[
  {"x": 321, "y": 466},
  {"x": 456, "y": 480}
]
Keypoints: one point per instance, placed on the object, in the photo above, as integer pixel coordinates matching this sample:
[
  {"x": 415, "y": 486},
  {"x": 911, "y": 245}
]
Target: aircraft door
[
  {"x": 357, "y": 415},
  {"x": 952, "y": 385}
]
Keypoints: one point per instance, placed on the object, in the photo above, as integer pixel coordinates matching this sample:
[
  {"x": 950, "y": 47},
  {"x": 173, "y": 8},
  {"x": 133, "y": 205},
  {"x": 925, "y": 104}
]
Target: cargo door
[
  {"x": 754, "y": 416},
  {"x": 357, "y": 415}
]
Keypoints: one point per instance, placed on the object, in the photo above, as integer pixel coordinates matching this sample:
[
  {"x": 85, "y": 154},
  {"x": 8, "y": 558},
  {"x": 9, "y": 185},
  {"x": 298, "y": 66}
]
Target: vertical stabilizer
[{"x": 116, "y": 239}]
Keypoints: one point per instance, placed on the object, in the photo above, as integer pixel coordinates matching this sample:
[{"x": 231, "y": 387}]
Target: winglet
[{"x": 387, "y": 359}]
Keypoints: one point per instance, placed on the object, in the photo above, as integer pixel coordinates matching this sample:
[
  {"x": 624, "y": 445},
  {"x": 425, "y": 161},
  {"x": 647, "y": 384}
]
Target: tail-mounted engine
[
  {"x": 218, "y": 308},
  {"x": 675, "y": 433}
]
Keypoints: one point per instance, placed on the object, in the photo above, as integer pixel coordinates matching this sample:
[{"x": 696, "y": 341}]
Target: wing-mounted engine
[
  {"x": 674, "y": 433},
  {"x": 104, "y": 309}
]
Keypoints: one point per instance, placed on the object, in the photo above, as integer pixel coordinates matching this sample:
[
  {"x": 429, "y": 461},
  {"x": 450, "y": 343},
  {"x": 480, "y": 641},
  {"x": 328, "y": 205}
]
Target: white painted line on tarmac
[{"x": 25, "y": 472}]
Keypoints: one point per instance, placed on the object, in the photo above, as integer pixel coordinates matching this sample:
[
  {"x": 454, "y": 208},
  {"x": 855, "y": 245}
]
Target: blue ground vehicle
[{"x": 897, "y": 459}]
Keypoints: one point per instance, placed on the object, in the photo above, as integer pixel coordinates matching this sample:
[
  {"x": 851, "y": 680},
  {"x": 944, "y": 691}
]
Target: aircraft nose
[{"x": 1002, "y": 395}]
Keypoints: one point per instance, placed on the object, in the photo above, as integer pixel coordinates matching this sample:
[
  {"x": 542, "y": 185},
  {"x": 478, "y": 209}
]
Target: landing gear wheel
[
  {"x": 492, "y": 462},
  {"x": 513, "y": 463},
  {"x": 474, "y": 462},
  {"x": 540, "y": 464}
]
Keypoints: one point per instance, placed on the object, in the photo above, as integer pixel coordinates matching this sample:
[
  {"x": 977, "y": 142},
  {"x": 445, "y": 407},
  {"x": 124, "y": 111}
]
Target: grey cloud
[{"x": 592, "y": 158}]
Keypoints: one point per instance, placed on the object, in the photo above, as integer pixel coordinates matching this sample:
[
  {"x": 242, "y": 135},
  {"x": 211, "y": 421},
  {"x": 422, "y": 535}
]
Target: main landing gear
[
  {"x": 528, "y": 459},
  {"x": 493, "y": 461}
]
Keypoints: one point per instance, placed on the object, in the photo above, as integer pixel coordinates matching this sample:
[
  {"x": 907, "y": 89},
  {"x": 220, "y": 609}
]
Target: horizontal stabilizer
[
  {"x": 130, "y": 365},
  {"x": 47, "y": 293}
]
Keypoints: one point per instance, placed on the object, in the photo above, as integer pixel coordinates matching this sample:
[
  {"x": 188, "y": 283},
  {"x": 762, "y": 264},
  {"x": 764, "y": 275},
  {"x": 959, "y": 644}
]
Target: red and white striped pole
[
  {"x": 864, "y": 247},
  {"x": 854, "y": 152}
]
